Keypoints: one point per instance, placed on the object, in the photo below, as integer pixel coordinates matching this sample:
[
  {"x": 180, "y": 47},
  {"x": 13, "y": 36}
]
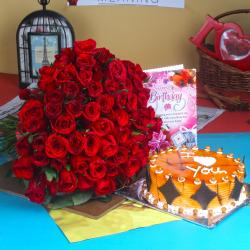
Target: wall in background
[{"x": 150, "y": 36}]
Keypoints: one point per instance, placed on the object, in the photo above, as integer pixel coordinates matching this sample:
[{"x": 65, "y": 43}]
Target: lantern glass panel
[{"x": 40, "y": 36}]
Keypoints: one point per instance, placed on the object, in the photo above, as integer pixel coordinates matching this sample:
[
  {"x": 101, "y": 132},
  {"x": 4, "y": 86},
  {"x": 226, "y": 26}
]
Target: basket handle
[{"x": 233, "y": 12}]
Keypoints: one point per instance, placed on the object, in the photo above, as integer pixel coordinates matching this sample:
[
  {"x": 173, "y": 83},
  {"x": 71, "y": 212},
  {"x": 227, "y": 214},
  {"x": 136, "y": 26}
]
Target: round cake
[{"x": 195, "y": 182}]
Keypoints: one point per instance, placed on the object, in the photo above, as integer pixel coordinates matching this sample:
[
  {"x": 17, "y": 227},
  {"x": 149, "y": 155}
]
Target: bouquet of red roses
[{"x": 85, "y": 130}]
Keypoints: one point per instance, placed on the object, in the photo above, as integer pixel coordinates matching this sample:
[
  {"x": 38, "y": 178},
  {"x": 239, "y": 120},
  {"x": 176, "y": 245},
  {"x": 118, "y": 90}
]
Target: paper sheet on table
[
  {"x": 126, "y": 217},
  {"x": 207, "y": 115}
]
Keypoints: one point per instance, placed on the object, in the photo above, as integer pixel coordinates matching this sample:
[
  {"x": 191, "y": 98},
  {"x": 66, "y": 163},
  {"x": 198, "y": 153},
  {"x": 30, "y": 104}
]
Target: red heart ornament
[
  {"x": 230, "y": 44},
  {"x": 235, "y": 49}
]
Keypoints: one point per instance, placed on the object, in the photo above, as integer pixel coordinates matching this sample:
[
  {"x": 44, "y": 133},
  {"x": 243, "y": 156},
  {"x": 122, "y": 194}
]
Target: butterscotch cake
[{"x": 195, "y": 182}]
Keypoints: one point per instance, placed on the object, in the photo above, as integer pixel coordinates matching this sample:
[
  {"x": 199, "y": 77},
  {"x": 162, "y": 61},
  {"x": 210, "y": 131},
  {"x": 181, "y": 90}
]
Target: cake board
[{"x": 133, "y": 193}]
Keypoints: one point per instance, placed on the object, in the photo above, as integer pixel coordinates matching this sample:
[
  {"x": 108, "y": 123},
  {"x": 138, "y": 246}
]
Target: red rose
[
  {"x": 71, "y": 89},
  {"x": 22, "y": 168},
  {"x": 134, "y": 165},
  {"x": 157, "y": 125},
  {"x": 111, "y": 86},
  {"x": 143, "y": 97},
  {"x": 58, "y": 164},
  {"x": 85, "y": 77},
  {"x": 140, "y": 73},
  {"x": 80, "y": 163},
  {"x": 53, "y": 110},
  {"x": 102, "y": 55},
  {"x": 144, "y": 119},
  {"x": 84, "y": 46},
  {"x": 138, "y": 137},
  {"x": 53, "y": 187},
  {"x": 130, "y": 67},
  {"x": 104, "y": 187},
  {"x": 92, "y": 144},
  {"x": 138, "y": 83},
  {"x": 85, "y": 61},
  {"x": 47, "y": 70},
  {"x": 117, "y": 71},
  {"x": 35, "y": 192},
  {"x": 127, "y": 85},
  {"x": 91, "y": 111},
  {"x": 135, "y": 72},
  {"x": 67, "y": 74},
  {"x": 122, "y": 99},
  {"x": 32, "y": 111},
  {"x": 23, "y": 147},
  {"x": 24, "y": 94},
  {"x": 40, "y": 159},
  {"x": 112, "y": 169},
  {"x": 141, "y": 151},
  {"x": 31, "y": 108},
  {"x": 121, "y": 116},
  {"x": 108, "y": 146},
  {"x": 65, "y": 57},
  {"x": 47, "y": 79},
  {"x": 98, "y": 73},
  {"x": 64, "y": 124},
  {"x": 132, "y": 102},
  {"x": 103, "y": 126},
  {"x": 121, "y": 155},
  {"x": 74, "y": 108},
  {"x": 53, "y": 96},
  {"x": 56, "y": 146},
  {"x": 123, "y": 135},
  {"x": 67, "y": 181},
  {"x": 106, "y": 103},
  {"x": 84, "y": 183},
  {"x": 95, "y": 89},
  {"x": 33, "y": 125},
  {"x": 76, "y": 143},
  {"x": 97, "y": 169},
  {"x": 38, "y": 142}
]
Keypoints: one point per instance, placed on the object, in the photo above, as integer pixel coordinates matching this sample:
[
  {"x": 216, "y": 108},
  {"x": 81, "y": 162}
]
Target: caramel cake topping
[{"x": 197, "y": 164}]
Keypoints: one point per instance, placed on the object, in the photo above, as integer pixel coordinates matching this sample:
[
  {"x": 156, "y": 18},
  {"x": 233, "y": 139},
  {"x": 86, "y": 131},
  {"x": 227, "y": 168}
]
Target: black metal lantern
[{"x": 40, "y": 36}]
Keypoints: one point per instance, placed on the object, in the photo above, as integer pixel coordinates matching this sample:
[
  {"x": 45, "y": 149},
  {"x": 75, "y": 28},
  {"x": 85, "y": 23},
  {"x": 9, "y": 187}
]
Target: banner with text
[{"x": 159, "y": 3}]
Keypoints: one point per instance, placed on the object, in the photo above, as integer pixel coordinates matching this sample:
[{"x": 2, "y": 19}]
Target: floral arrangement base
[
  {"x": 93, "y": 209},
  {"x": 134, "y": 192}
]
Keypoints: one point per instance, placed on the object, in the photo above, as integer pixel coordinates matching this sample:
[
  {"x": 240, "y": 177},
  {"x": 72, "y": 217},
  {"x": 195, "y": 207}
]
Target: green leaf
[
  {"x": 26, "y": 183},
  {"x": 80, "y": 198},
  {"x": 31, "y": 137},
  {"x": 106, "y": 198},
  {"x": 68, "y": 167},
  {"x": 50, "y": 174},
  {"x": 70, "y": 200},
  {"x": 48, "y": 199},
  {"x": 122, "y": 90},
  {"x": 149, "y": 125},
  {"x": 61, "y": 202},
  {"x": 136, "y": 133}
]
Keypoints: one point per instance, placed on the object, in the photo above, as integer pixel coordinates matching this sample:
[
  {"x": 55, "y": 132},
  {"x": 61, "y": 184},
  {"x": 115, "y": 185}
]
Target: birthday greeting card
[{"x": 173, "y": 97}]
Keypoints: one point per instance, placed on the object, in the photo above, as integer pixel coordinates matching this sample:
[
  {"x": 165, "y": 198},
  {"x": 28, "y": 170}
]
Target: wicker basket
[{"x": 218, "y": 74}]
